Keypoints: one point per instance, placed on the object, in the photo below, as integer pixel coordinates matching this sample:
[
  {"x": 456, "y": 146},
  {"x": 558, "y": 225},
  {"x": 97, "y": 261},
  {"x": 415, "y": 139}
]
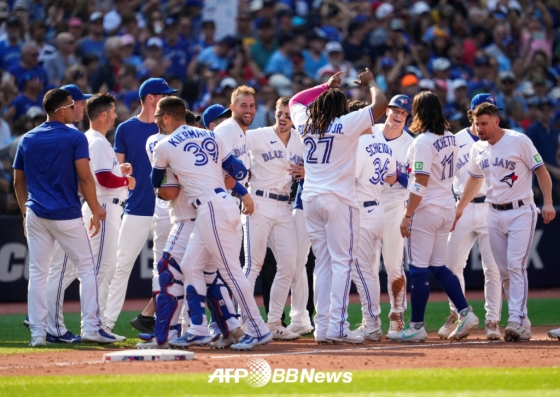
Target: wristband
[{"x": 417, "y": 189}]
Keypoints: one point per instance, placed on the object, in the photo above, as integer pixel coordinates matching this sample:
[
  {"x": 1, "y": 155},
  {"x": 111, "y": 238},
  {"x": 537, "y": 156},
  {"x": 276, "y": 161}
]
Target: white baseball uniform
[
  {"x": 375, "y": 162},
  {"x": 393, "y": 202},
  {"x": 507, "y": 168},
  {"x": 104, "y": 245},
  {"x": 473, "y": 226},
  {"x": 195, "y": 156},
  {"x": 435, "y": 156},
  {"x": 234, "y": 138},
  {"x": 332, "y": 213},
  {"x": 272, "y": 221}
]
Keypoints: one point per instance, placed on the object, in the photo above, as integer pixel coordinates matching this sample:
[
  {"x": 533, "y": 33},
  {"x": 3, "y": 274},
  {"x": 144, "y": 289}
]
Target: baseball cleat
[
  {"x": 68, "y": 337},
  {"x": 373, "y": 333},
  {"x": 396, "y": 323},
  {"x": 37, "y": 341},
  {"x": 554, "y": 333},
  {"x": 324, "y": 342},
  {"x": 449, "y": 326},
  {"x": 301, "y": 329},
  {"x": 26, "y": 322},
  {"x": 492, "y": 330},
  {"x": 100, "y": 336},
  {"x": 248, "y": 342},
  {"x": 515, "y": 332},
  {"x": 109, "y": 331},
  {"x": 235, "y": 335},
  {"x": 279, "y": 332},
  {"x": 466, "y": 323},
  {"x": 144, "y": 324},
  {"x": 352, "y": 337},
  {"x": 151, "y": 344},
  {"x": 190, "y": 340},
  {"x": 413, "y": 332},
  {"x": 214, "y": 331}
]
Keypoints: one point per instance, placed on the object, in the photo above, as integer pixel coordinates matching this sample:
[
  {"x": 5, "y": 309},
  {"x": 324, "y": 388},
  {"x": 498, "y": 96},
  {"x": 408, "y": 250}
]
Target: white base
[{"x": 148, "y": 355}]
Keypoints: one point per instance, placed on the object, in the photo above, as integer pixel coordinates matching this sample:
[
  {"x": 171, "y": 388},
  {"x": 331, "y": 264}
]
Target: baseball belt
[
  {"x": 120, "y": 202},
  {"x": 273, "y": 196},
  {"x": 370, "y": 203},
  {"x": 508, "y": 206}
]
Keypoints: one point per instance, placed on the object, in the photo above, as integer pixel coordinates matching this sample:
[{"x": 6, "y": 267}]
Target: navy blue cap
[
  {"x": 483, "y": 98},
  {"x": 403, "y": 102},
  {"x": 155, "y": 86},
  {"x": 75, "y": 92},
  {"x": 212, "y": 113}
]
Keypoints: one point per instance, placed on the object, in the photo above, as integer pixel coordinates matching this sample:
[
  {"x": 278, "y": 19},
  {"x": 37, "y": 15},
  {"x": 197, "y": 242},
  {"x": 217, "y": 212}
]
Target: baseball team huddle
[{"x": 363, "y": 190}]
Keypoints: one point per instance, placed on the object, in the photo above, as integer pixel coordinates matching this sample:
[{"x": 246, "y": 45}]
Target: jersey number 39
[
  {"x": 326, "y": 141},
  {"x": 207, "y": 148}
]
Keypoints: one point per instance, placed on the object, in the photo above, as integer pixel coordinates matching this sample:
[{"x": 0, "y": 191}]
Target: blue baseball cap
[
  {"x": 483, "y": 98},
  {"x": 403, "y": 102},
  {"x": 155, "y": 86},
  {"x": 212, "y": 113},
  {"x": 75, "y": 92}
]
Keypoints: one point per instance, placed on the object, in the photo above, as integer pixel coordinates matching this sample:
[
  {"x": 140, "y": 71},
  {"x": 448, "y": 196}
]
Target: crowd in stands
[{"x": 455, "y": 48}]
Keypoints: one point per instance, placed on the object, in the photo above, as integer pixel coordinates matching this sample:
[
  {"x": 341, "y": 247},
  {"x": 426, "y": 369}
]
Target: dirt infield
[{"x": 475, "y": 351}]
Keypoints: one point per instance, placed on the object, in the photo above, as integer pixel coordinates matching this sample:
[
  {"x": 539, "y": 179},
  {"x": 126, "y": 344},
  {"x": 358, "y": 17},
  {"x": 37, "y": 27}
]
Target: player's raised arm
[
  {"x": 378, "y": 99},
  {"x": 305, "y": 97}
]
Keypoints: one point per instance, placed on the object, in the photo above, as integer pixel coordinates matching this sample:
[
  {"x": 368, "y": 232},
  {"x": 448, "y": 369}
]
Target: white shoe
[
  {"x": 492, "y": 330},
  {"x": 300, "y": 329},
  {"x": 467, "y": 323},
  {"x": 350, "y": 337},
  {"x": 396, "y": 323},
  {"x": 280, "y": 333},
  {"x": 38, "y": 341},
  {"x": 449, "y": 326},
  {"x": 235, "y": 335},
  {"x": 100, "y": 336},
  {"x": 515, "y": 332},
  {"x": 108, "y": 330},
  {"x": 152, "y": 344},
  {"x": 373, "y": 333},
  {"x": 555, "y": 333},
  {"x": 411, "y": 333}
]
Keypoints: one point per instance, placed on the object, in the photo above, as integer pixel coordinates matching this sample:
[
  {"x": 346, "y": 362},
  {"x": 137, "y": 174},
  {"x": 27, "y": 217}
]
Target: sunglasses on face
[
  {"x": 159, "y": 115},
  {"x": 70, "y": 105}
]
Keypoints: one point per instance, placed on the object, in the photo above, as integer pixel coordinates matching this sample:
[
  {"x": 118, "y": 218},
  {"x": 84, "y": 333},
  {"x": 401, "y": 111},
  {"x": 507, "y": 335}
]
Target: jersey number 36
[{"x": 207, "y": 148}]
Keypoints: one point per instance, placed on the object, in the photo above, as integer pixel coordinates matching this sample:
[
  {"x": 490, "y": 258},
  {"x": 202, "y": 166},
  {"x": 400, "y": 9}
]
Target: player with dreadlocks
[{"x": 330, "y": 140}]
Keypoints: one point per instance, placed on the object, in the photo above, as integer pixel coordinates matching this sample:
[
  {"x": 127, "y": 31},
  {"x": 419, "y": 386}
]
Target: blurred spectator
[
  {"x": 128, "y": 44},
  {"x": 354, "y": 44},
  {"x": 281, "y": 59},
  {"x": 76, "y": 27},
  {"x": 94, "y": 42},
  {"x": 265, "y": 45},
  {"x": 208, "y": 31},
  {"x": 56, "y": 64},
  {"x": 77, "y": 74},
  {"x": 103, "y": 78},
  {"x": 314, "y": 56},
  {"x": 112, "y": 20},
  {"x": 31, "y": 86},
  {"x": 336, "y": 63},
  {"x": 10, "y": 46},
  {"x": 5, "y": 130},
  {"x": 217, "y": 55},
  {"x": 127, "y": 79},
  {"x": 29, "y": 62},
  {"x": 176, "y": 49}
]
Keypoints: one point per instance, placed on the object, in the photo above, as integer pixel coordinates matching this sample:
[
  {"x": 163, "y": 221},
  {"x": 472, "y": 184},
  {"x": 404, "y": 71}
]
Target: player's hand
[
  {"x": 365, "y": 78},
  {"x": 24, "y": 228},
  {"x": 335, "y": 81},
  {"x": 126, "y": 168},
  {"x": 548, "y": 213},
  {"x": 405, "y": 227},
  {"x": 296, "y": 171},
  {"x": 101, "y": 212},
  {"x": 248, "y": 204},
  {"x": 458, "y": 215},
  {"x": 131, "y": 182},
  {"x": 94, "y": 224}
]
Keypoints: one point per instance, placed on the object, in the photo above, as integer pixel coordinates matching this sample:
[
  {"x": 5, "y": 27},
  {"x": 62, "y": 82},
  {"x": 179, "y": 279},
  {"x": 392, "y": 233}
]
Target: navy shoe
[
  {"x": 26, "y": 322},
  {"x": 68, "y": 337},
  {"x": 146, "y": 337}
]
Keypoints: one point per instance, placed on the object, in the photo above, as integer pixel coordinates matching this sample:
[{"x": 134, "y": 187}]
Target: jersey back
[
  {"x": 466, "y": 141},
  {"x": 375, "y": 162}
]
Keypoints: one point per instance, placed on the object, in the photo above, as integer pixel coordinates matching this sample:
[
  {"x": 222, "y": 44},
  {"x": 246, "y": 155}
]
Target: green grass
[
  {"x": 14, "y": 337},
  {"x": 426, "y": 383}
]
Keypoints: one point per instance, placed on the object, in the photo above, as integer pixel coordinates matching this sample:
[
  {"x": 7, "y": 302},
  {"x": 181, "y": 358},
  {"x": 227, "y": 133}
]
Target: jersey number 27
[{"x": 327, "y": 141}]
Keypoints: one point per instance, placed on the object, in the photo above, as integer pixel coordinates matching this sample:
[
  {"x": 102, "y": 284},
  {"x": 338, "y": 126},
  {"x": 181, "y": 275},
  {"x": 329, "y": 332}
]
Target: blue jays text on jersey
[
  {"x": 498, "y": 162},
  {"x": 240, "y": 152},
  {"x": 461, "y": 162},
  {"x": 445, "y": 141}
]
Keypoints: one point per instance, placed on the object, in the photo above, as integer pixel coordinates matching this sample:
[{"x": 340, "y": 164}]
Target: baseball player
[
  {"x": 130, "y": 147},
  {"x": 111, "y": 188},
  {"x": 197, "y": 157},
  {"x": 473, "y": 226},
  {"x": 214, "y": 115},
  {"x": 505, "y": 161},
  {"x": 428, "y": 217},
  {"x": 273, "y": 151},
  {"x": 393, "y": 202},
  {"x": 375, "y": 167},
  {"x": 330, "y": 140},
  {"x": 53, "y": 156}
]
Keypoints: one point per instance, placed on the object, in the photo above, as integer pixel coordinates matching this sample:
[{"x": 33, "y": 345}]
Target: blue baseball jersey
[
  {"x": 9, "y": 55},
  {"x": 19, "y": 72},
  {"x": 130, "y": 140},
  {"x": 47, "y": 154},
  {"x": 23, "y": 103},
  {"x": 180, "y": 55}
]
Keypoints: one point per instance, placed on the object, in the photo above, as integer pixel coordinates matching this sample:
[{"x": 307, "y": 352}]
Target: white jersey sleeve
[
  {"x": 234, "y": 139},
  {"x": 360, "y": 121},
  {"x": 528, "y": 152},
  {"x": 474, "y": 167},
  {"x": 466, "y": 141},
  {"x": 375, "y": 162}
]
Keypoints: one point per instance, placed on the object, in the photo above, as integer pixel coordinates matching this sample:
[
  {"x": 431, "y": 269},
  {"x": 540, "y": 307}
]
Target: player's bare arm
[
  {"x": 472, "y": 187},
  {"x": 20, "y": 187},
  {"x": 87, "y": 184},
  {"x": 545, "y": 183},
  {"x": 413, "y": 202},
  {"x": 378, "y": 99},
  {"x": 120, "y": 157}
]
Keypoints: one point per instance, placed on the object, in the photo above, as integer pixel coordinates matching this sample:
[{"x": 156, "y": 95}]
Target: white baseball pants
[
  {"x": 333, "y": 229},
  {"x": 74, "y": 240},
  {"x": 366, "y": 272},
  {"x": 216, "y": 239},
  {"x": 300, "y": 289},
  {"x": 474, "y": 225},
  {"x": 392, "y": 248},
  {"x": 63, "y": 272},
  {"x": 511, "y": 235},
  {"x": 271, "y": 222},
  {"x": 161, "y": 229},
  {"x": 132, "y": 237}
]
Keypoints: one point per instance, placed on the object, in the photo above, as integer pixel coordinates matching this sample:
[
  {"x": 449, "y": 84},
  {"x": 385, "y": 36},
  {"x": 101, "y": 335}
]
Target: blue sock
[
  {"x": 450, "y": 284},
  {"x": 419, "y": 292}
]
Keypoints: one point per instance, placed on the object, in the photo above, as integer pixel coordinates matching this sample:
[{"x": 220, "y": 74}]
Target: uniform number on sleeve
[
  {"x": 326, "y": 141},
  {"x": 207, "y": 148}
]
